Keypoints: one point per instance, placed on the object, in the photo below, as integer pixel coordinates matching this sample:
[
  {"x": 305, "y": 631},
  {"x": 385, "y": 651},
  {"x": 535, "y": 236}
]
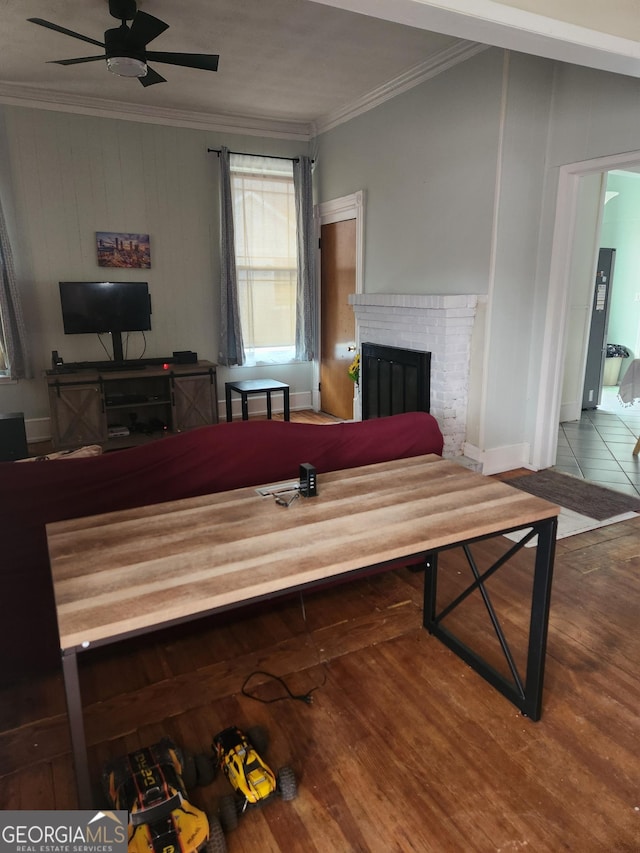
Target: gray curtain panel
[
  {"x": 231, "y": 345},
  {"x": 13, "y": 334},
  {"x": 306, "y": 295}
]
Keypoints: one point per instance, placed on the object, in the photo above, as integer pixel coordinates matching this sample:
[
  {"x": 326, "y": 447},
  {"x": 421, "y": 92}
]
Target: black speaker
[
  {"x": 13, "y": 437},
  {"x": 185, "y": 357}
]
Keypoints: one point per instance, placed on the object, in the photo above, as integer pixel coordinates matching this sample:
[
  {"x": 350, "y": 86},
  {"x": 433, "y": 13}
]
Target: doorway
[
  {"x": 337, "y": 326},
  {"x": 340, "y": 232},
  {"x": 555, "y": 340}
]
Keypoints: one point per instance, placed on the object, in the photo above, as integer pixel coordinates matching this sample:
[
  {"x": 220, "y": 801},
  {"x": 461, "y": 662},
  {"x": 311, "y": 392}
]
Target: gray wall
[
  {"x": 427, "y": 160},
  {"x": 461, "y": 179},
  {"x": 453, "y": 173},
  {"x": 460, "y": 175},
  {"x": 66, "y": 176}
]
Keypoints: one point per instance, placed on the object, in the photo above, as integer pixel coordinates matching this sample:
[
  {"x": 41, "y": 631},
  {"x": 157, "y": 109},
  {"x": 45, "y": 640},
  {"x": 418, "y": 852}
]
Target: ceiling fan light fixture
[
  {"x": 127, "y": 66},
  {"x": 125, "y": 48}
]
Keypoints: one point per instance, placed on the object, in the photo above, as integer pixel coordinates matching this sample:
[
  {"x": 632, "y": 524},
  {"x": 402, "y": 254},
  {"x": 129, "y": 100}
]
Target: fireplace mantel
[{"x": 439, "y": 324}]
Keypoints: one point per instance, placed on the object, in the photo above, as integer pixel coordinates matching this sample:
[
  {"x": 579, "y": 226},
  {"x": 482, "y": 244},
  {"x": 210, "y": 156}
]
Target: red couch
[{"x": 210, "y": 459}]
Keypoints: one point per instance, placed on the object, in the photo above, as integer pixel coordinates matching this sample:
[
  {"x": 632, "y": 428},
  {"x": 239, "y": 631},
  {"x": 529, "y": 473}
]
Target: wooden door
[
  {"x": 337, "y": 321},
  {"x": 77, "y": 414}
]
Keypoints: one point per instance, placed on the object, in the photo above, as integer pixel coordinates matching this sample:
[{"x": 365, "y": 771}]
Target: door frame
[
  {"x": 586, "y": 245},
  {"x": 554, "y": 344},
  {"x": 326, "y": 212}
]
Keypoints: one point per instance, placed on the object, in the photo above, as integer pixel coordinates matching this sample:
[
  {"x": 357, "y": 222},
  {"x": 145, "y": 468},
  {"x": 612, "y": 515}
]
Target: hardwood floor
[
  {"x": 404, "y": 748},
  {"x": 308, "y": 416}
]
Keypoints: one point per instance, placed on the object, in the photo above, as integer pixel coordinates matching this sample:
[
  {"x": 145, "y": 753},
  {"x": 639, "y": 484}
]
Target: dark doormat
[{"x": 576, "y": 494}]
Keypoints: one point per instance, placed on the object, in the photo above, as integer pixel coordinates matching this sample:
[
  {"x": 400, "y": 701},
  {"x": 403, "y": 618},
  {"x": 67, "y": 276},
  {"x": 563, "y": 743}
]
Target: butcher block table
[{"x": 130, "y": 572}]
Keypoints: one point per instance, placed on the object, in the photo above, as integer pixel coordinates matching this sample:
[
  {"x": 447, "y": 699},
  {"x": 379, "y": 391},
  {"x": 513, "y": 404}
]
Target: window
[{"x": 264, "y": 218}]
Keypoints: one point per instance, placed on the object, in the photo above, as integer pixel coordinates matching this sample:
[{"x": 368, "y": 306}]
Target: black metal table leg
[
  {"x": 76, "y": 727},
  {"x": 527, "y": 694},
  {"x": 430, "y": 592},
  {"x": 227, "y": 395},
  {"x": 539, "y": 624}
]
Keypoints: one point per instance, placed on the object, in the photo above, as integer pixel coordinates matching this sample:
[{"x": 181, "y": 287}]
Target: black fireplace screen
[{"x": 394, "y": 380}]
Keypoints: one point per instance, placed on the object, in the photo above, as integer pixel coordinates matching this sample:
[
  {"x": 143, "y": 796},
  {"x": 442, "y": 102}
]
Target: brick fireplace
[{"x": 441, "y": 325}]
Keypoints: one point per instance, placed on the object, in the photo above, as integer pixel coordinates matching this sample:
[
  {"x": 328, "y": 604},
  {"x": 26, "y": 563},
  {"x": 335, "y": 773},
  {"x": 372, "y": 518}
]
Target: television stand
[
  {"x": 116, "y": 341},
  {"x": 101, "y": 366},
  {"x": 121, "y": 365},
  {"x": 89, "y": 403}
]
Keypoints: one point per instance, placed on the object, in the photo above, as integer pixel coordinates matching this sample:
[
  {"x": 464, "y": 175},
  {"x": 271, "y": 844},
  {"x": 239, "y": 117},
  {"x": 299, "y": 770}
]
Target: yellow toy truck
[
  {"x": 150, "y": 785},
  {"x": 253, "y": 781}
]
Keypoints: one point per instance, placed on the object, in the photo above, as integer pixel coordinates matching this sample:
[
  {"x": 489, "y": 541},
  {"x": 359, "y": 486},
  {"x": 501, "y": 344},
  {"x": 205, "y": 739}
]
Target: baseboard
[
  {"x": 568, "y": 412},
  {"x": 37, "y": 429},
  {"x": 467, "y": 462},
  {"x": 500, "y": 459}
]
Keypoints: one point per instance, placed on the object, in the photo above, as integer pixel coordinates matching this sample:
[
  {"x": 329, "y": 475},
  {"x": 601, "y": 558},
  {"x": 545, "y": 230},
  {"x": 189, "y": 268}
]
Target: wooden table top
[
  {"x": 138, "y": 569},
  {"x": 254, "y": 386}
]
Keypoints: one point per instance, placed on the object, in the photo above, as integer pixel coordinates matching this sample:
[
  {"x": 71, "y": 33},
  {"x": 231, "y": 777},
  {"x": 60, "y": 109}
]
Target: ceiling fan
[{"x": 125, "y": 47}]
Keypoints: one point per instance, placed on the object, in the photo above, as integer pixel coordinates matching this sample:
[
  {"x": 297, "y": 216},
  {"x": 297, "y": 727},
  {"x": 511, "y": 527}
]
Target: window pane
[
  {"x": 264, "y": 221},
  {"x": 266, "y": 258},
  {"x": 267, "y": 306}
]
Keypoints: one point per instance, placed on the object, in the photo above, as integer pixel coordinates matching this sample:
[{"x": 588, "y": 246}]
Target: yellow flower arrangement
[{"x": 354, "y": 368}]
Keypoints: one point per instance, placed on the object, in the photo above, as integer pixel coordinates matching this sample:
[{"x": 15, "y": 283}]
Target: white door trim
[
  {"x": 339, "y": 209},
  {"x": 545, "y": 440}
]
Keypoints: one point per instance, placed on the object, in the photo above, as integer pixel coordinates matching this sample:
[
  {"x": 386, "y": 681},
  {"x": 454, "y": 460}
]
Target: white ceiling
[{"x": 287, "y": 67}]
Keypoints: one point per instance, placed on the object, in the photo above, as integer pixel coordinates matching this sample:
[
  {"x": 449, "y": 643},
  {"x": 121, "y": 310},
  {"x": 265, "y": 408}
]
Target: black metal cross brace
[{"x": 526, "y": 693}]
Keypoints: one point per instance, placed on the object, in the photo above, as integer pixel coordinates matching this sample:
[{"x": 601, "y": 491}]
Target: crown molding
[
  {"x": 436, "y": 64},
  {"x": 25, "y": 96},
  {"x": 503, "y": 25}
]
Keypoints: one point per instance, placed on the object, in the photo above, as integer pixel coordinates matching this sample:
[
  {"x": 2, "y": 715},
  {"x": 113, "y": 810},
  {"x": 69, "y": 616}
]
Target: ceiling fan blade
[
  {"x": 64, "y": 31},
  {"x": 145, "y": 28},
  {"x": 151, "y": 77},
  {"x": 75, "y": 61},
  {"x": 204, "y": 61}
]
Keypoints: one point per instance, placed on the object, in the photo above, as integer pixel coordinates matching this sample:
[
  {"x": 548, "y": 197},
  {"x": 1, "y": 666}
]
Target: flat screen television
[{"x": 90, "y": 307}]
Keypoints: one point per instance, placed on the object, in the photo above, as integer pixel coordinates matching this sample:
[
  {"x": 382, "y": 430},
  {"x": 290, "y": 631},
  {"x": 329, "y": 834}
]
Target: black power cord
[{"x": 307, "y": 698}]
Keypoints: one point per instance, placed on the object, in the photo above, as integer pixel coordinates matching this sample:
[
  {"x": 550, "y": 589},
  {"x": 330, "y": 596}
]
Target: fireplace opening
[{"x": 394, "y": 380}]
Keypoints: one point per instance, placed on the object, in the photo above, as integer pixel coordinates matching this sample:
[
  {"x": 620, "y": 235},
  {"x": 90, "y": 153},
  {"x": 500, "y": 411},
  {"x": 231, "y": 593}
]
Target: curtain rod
[{"x": 244, "y": 154}]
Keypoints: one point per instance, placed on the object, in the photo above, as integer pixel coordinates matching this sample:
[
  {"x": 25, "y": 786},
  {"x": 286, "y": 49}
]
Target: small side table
[{"x": 256, "y": 386}]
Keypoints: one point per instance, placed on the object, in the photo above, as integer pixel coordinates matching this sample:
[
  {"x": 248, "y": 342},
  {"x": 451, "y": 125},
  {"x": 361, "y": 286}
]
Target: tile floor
[{"x": 598, "y": 446}]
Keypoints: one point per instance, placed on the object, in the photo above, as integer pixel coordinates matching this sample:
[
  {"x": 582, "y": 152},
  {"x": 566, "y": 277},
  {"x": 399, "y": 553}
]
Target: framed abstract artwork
[{"x": 125, "y": 251}]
